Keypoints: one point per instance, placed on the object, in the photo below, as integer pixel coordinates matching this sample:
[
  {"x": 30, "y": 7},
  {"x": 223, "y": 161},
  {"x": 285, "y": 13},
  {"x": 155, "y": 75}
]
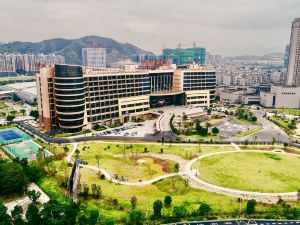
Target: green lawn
[
  {"x": 295, "y": 112},
  {"x": 182, "y": 150},
  {"x": 3, "y": 106},
  {"x": 264, "y": 172},
  {"x": 248, "y": 132},
  {"x": 131, "y": 168}
]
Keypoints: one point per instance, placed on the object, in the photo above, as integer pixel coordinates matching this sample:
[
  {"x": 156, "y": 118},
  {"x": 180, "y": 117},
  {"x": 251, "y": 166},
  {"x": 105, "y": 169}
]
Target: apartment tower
[{"x": 293, "y": 76}]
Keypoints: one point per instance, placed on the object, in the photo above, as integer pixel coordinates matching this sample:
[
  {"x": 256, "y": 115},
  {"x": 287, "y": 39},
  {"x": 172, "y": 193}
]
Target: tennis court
[
  {"x": 12, "y": 135},
  {"x": 25, "y": 150}
]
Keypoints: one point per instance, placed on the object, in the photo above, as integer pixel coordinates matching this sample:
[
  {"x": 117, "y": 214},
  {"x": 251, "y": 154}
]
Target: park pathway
[{"x": 188, "y": 172}]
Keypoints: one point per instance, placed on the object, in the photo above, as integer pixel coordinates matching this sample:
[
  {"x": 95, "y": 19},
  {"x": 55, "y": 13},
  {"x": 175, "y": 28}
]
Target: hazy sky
[{"x": 228, "y": 27}]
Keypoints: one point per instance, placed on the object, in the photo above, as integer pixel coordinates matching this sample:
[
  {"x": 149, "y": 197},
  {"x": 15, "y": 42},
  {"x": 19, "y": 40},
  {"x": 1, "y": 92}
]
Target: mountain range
[{"x": 71, "y": 48}]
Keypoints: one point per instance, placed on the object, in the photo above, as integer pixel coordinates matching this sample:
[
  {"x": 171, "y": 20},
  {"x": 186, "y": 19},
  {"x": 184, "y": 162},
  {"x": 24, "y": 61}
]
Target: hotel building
[{"x": 72, "y": 98}]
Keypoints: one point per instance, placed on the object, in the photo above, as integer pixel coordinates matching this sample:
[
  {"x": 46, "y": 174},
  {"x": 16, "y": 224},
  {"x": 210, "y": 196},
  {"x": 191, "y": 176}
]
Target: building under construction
[{"x": 182, "y": 56}]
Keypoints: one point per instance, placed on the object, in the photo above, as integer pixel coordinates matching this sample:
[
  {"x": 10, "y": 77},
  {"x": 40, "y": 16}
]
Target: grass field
[
  {"x": 295, "y": 112},
  {"x": 182, "y": 150},
  {"x": 248, "y": 132},
  {"x": 130, "y": 168},
  {"x": 263, "y": 172}
]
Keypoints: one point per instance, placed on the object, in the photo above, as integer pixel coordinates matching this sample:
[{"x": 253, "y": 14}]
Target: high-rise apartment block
[
  {"x": 182, "y": 56},
  {"x": 27, "y": 63},
  {"x": 72, "y": 98},
  {"x": 94, "y": 57},
  {"x": 293, "y": 76}
]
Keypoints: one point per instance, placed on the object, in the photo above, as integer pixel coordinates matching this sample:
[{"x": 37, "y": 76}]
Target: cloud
[{"x": 229, "y": 27}]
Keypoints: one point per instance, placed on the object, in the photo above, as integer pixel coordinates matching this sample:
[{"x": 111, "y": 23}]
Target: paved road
[
  {"x": 241, "y": 222},
  {"x": 270, "y": 131}
]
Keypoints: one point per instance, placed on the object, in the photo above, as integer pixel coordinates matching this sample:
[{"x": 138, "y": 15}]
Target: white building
[
  {"x": 281, "y": 96},
  {"x": 94, "y": 57}
]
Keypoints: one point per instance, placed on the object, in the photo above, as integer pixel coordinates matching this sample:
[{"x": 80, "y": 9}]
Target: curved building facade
[{"x": 69, "y": 97}]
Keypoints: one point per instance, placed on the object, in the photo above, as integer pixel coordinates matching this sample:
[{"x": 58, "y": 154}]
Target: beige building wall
[
  {"x": 266, "y": 99},
  {"x": 178, "y": 80},
  {"x": 135, "y": 106},
  {"x": 197, "y": 98},
  {"x": 45, "y": 114}
]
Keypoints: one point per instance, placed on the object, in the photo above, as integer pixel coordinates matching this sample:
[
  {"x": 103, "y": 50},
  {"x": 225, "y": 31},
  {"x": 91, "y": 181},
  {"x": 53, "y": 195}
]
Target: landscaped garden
[
  {"x": 245, "y": 116},
  {"x": 259, "y": 172},
  {"x": 289, "y": 126}
]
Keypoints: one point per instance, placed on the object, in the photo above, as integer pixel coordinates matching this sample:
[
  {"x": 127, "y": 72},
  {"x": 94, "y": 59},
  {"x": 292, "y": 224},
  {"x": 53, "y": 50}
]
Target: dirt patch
[{"x": 163, "y": 163}]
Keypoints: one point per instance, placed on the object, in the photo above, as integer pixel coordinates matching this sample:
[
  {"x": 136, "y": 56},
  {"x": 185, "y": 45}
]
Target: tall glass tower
[{"x": 293, "y": 76}]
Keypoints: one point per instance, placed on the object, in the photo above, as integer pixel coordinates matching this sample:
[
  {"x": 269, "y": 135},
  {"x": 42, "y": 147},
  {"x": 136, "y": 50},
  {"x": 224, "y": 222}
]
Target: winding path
[{"x": 187, "y": 172}]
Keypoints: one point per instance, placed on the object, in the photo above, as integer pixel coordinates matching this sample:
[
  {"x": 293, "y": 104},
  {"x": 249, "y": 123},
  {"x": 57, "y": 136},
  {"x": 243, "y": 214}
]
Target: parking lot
[{"x": 130, "y": 129}]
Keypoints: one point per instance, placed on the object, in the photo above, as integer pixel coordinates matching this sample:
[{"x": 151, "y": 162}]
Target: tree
[
  {"x": 133, "y": 202},
  {"x": 77, "y": 152},
  {"x": 176, "y": 167},
  {"x": 179, "y": 211},
  {"x": 4, "y": 217},
  {"x": 10, "y": 118},
  {"x": 66, "y": 149},
  {"x": 250, "y": 208},
  {"x": 53, "y": 213},
  {"x": 94, "y": 214},
  {"x": 13, "y": 179},
  {"x": 215, "y": 130},
  {"x": 35, "y": 114},
  {"x": 285, "y": 145},
  {"x": 168, "y": 200},
  {"x": 97, "y": 157},
  {"x": 32, "y": 214},
  {"x": 204, "y": 209},
  {"x": 157, "y": 206},
  {"x": 253, "y": 118},
  {"x": 33, "y": 195},
  {"x": 16, "y": 215},
  {"x": 136, "y": 217},
  {"x": 83, "y": 220},
  {"x": 23, "y": 111}
]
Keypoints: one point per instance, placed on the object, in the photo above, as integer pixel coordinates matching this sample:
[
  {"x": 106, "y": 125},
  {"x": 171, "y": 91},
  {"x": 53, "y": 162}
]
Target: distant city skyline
[{"x": 230, "y": 28}]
